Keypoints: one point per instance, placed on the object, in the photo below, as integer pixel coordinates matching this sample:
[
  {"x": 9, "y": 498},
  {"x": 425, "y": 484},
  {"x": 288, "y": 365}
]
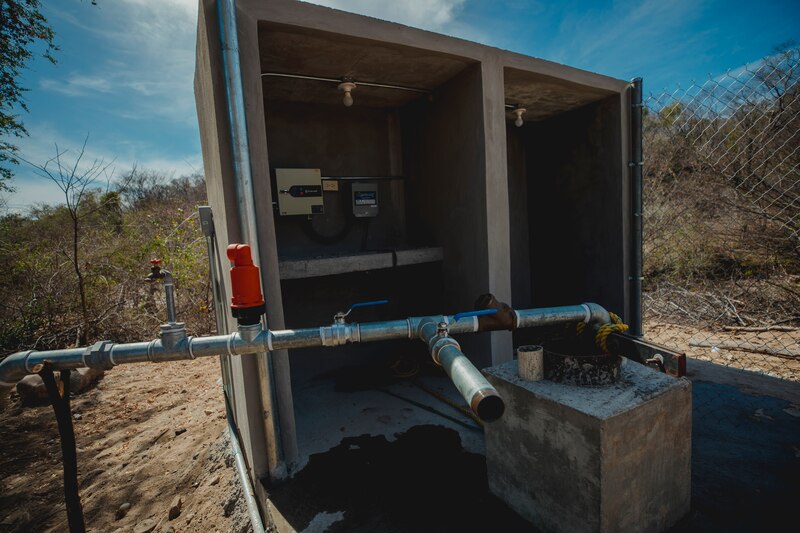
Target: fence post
[{"x": 636, "y": 163}]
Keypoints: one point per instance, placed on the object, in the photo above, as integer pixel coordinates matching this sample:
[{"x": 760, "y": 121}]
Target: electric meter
[{"x": 365, "y": 200}]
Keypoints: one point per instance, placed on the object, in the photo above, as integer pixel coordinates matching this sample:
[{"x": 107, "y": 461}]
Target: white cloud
[
  {"x": 32, "y": 189},
  {"x": 78, "y": 85},
  {"x": 428, "y": 14},
  {"x": 30, "y": 193},
  {"x": 601, "y": 38},
  {"x": 150, "y": 52}
]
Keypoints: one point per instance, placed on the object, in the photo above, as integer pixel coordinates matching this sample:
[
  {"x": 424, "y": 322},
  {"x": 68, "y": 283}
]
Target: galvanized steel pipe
[
  {"x": 444, "y": 349},
  {"x": 245, "y": 198}
]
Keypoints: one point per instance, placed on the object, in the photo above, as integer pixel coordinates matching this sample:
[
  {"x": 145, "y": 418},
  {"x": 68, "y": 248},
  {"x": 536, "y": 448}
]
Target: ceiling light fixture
[
  {"x": 347, "y": 86},
  {"x": 518, "y": 112}
]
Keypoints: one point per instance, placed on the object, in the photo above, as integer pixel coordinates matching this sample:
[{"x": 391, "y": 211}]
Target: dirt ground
[
  {"x": 678, "y": 337},
  {"x": 146, "y": 434}
]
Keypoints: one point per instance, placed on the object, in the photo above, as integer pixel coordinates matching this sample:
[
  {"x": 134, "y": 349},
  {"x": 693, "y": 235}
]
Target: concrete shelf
[{"x": 299, "y": 268}]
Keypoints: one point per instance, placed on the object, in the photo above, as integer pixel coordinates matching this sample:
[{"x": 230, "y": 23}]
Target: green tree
[{"x": 22, "y": 28}]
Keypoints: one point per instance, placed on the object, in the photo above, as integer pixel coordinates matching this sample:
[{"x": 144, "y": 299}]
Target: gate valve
[
  {"x": 339, "y": 318},
  {"x": 247, "y": 301},
  {"x": 155, "y": 270}
]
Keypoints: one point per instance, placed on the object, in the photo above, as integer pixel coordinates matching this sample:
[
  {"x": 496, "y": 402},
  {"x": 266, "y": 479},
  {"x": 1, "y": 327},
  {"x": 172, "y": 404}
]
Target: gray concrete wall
[
  {"x": 520, "y": 251},
  {"x": 445, "y": 161},
  {"x": 611, "y": 458},
  {"x": 340, "y": 141},
  {"x": 546, "y": 453},
  {"x": 576, "y": 219},
  {"x": 651, "y": 444},
  {"x": 278, "y": 413},
  {"x": 214, "y": 136}
]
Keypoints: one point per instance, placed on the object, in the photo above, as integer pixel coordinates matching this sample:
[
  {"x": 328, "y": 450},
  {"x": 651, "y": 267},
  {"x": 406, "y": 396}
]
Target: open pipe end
[{"x": 488, "y": 405}]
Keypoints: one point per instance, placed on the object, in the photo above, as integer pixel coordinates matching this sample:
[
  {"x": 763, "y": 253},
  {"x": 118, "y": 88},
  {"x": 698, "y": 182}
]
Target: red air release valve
[{"x": 247, "y": 302}]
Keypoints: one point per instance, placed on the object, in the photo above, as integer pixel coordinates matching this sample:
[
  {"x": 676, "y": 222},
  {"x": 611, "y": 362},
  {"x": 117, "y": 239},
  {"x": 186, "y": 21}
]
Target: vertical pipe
[
  {"x": 637, "y": 162},
  {"x": 169, "y": 292},
  {"x": 214, "y": 269},
  {"x": 240, "y": 150},
  {"x": 241, "y": 469}
]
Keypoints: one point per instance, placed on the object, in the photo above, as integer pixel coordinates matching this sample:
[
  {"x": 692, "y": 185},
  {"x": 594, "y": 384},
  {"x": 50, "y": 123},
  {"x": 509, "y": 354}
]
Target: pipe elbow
[
  {"x": 597, "y": 314},
  {"x": 12, "y": 369}
]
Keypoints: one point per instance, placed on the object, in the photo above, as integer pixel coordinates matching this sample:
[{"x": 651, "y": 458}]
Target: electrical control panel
[
  {"x": 365, "y": 199},
  {"x": 299, "y": 191}
]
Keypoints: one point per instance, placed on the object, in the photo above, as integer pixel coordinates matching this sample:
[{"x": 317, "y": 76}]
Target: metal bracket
[{"x": 641, "y": 351}]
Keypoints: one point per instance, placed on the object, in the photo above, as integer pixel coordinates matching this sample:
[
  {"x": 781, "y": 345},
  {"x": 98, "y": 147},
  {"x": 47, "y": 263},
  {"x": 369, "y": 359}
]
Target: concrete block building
[{"x": 424, "y": 191}]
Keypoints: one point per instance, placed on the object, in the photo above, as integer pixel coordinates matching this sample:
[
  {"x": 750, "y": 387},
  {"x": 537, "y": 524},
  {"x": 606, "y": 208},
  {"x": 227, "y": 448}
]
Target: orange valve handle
[{"x": 247, "y": 301}]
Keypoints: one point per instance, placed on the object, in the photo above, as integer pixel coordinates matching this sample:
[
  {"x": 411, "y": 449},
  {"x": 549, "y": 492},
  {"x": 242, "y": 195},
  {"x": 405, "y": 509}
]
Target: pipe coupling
[
  {"x": 339, "y": 334},
  {"x": 437, "y": 344},
  {"x": 99, "y": 356}
]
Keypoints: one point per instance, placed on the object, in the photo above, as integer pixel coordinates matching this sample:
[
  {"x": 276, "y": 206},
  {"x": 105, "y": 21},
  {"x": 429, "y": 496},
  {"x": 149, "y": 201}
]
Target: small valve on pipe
[
  {"x": 172, "y": 331},
  {"x": 155, "y": 270},
  {"x": 339, "y": 318},
  {"x": 247, "y": 301}
]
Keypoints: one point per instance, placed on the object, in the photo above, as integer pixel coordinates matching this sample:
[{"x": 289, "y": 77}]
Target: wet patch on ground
[{"x": 422, "y": 481}]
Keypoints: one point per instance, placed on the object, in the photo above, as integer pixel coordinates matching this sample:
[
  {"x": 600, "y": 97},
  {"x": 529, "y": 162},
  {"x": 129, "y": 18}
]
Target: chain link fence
[{"x": 722, "y": 217}]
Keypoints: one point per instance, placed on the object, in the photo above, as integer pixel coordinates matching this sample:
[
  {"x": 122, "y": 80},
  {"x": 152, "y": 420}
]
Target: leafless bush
[
  {"x": 722, "y": 200},
  {"x": 39, "y": 294}
]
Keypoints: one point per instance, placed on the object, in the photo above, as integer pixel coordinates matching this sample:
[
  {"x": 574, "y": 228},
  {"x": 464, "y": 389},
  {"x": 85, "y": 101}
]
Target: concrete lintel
[{"x": 325, "y": 19}]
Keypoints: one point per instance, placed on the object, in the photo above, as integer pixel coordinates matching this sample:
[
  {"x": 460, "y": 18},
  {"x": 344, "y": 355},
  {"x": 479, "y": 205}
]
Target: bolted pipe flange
[{"x": 98, "y": 356}]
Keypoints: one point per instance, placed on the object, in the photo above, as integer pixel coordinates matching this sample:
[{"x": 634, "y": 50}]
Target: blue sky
[{"x": 126, "y": 67}]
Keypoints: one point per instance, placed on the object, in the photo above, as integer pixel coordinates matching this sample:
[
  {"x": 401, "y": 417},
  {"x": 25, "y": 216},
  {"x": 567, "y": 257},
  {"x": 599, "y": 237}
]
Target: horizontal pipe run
[
  {"x": 378, "y": 331},
  {"x": 294, "y": 338},
  {"x": 444, "y": 349},
  {"x": 68, "y": 359},
  {"x": 553, "y": 316}
]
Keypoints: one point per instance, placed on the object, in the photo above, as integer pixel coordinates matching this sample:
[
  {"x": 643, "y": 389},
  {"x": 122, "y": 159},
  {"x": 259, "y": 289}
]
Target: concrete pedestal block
[{"x": 612, "y": 458}]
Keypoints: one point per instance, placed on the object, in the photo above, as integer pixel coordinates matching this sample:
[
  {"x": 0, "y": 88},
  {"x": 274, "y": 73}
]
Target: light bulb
[
  {"x": 347, "y": 88},
  {"x": 519, "y": 111}
]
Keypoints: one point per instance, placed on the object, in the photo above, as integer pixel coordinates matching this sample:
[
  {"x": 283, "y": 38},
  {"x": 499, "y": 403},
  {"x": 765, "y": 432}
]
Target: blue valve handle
[
  {"x": 481, "y": 312},
  {"x": 367, "y": 304}
]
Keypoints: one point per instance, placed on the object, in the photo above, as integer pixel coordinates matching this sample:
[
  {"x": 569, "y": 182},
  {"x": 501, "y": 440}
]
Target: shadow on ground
[
  {"x": 422, "y": 481},
  {"x": 745, "y": 461}
]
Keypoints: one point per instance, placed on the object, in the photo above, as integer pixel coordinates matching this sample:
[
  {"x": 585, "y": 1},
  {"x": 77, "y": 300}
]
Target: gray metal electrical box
[
  {"x": 365, "y": 200},
  {"x": 299, "y": 191}
]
